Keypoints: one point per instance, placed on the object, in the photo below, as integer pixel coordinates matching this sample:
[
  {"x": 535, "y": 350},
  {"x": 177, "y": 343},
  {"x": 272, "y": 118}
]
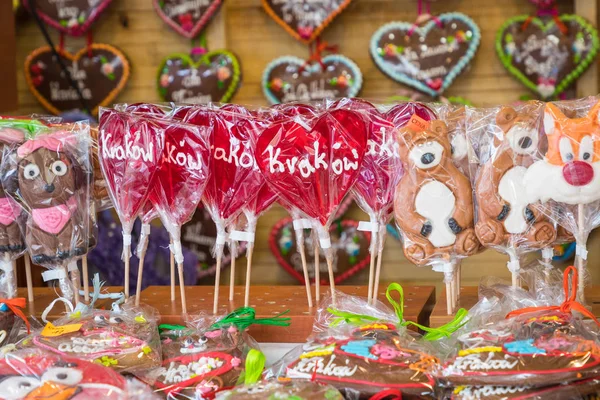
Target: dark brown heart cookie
[
  {"x": 214, "y": 77},
  {"x": 288, "y": 79},
  {"x": 73, "y": 17},
  {"x": 101, "y": 71},
  {"x": 187, "y": 17}
]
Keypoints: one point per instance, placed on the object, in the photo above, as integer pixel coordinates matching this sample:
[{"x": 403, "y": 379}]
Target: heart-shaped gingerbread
[
  {"x": 215, "y": 77},
  {"x": 541, "y": 56},
  {"x": 304, "y": 19},
  {"x": 351, "y": 250},
  {"x": 288, "y": 79},
  {"x": 73, "y": 17},
  {"x": 101, "y": 77},
  {"x": 186, "y": 17},
  {"x": 427, "y": 58}
]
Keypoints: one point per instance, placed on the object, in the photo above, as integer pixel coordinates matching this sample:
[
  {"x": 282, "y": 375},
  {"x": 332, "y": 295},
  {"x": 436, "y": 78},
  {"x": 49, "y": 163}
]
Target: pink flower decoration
[
  {"x": 223, "y": 73},
  {"x": 232, "y": 329},
  {"x": 164, "y": 80},
  {"x": 213, "y": 334},
  {"x": 236, "y": 362},
  {"x": 107, "y": 68}
]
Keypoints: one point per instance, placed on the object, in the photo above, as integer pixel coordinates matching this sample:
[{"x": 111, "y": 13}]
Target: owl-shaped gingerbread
[
  {"x": 11, "y": 238},
  {"x": 52, "y": 185},
  {"x": 433, "y": 203},
  {"x": 504, "y": 216}
]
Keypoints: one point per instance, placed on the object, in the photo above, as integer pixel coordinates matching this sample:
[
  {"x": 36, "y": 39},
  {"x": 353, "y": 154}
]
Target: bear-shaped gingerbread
[
  {"x": 504, "y": 216},
  {"x": 433, "y": 205},
  {"x": 52, "y": 186},
  {"x": 11, "y": 238}
]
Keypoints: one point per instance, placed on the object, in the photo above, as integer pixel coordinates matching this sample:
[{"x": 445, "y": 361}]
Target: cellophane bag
[
  {"x": 361, "y": 350},
  {"x": 506, "y": 141},
  {"x": 49, "y": 175},
  {"x": 205, "y": 356},
  {"x": 34, "y": 373},
  {"x": 515, "y": 337},
  {"x": 124, "y": 339},
  {"x": 282, "y": 389}
]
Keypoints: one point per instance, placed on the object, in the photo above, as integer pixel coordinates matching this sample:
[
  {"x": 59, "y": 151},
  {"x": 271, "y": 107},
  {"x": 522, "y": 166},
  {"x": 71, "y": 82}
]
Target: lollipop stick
[
  {"x": 29, "y": 278},
  {"x": 317, "y": 269},
  {"x": 86, "y": 279},
  {"x": 580, "y": 257},
  {"x": 138, "y": 288},
  {"x": 217, "y": 281},
  {"x": 458, "y": 282},
  {"x": 300, "y": 236},
  {"x": 126, "y": 284},
  {"x": 449, "y": 297},
  {"x": 172, "y": 261},
  {"x": 233, "y": 247},
  {"x": 329, "y": 259},
  {"x": 371, "y": 267},
  {"x": 377, "y": 276},
  {"x": 182, "y": 289},
  {"x": 75, "y": 279},
  {"x": 248, "y": 273}
]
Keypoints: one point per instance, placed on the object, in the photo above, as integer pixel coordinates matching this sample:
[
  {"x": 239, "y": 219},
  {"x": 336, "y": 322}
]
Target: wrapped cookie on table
[
  {"x": 363, "y": 350},
  {"x": 207, "y": 355},
  {"x": 33, "y": 373},
  {"x": 519, "y": 337}
]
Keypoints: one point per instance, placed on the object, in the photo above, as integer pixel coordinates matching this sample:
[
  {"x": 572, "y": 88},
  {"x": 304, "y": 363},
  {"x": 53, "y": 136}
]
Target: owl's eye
[
  {"x": 31, "y": 171},
  {"x": 65, "y": 376},
  {"x": 115, "y": 320},
  {"x": 59, "y": 168},
  {"x": 99, "y": 319},
  {"x": 17, "y": 387}
]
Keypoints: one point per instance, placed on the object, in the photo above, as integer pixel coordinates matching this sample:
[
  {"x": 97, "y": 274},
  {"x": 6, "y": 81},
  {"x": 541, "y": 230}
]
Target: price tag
[{"x": 53, "y": 331}]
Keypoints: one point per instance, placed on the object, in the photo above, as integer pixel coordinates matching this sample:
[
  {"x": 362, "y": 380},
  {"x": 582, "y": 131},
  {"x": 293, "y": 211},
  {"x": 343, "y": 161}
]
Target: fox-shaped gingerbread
[
  {"x": 504, "y": 216},
  {"x": 433, "y": 204},
  {"x": 570, "y": 170}
]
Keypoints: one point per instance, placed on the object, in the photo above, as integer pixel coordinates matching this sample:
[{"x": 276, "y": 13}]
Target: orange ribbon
[
  {"x": 568, "y": 305},
  {"x": 16, "y": 305},
  {"x": 316, "y": 56}
]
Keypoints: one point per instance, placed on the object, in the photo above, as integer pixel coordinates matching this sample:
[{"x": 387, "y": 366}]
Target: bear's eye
[
  {"x": 31, "y": 171},
  {"x": 59, "y": 168}
]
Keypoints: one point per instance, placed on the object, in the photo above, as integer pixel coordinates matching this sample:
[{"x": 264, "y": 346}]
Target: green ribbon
[
  {"x": 31, "y": 126},
  {"x": 167, "y": 327},
  {"x": 431, "y": 333},
  {"x": 243, "y": 317}
]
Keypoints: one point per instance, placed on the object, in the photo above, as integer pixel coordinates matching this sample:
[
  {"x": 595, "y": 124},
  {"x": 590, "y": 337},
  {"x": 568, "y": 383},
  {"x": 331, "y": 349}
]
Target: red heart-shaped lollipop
[
  {"x": 313, "y": 163},
  {"x": 130, "y": 149}
]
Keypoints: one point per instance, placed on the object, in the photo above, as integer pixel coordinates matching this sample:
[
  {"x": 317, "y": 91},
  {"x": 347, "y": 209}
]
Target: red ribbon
[
  {"x": 568, "y": 305},
  {"x": 394, "y": 394},
  {"x": 15, "y": 305},
  {"x": 89, "y": 40},
  {"x": 551, "y": 11},
  {"x": 317, "y": 53}
]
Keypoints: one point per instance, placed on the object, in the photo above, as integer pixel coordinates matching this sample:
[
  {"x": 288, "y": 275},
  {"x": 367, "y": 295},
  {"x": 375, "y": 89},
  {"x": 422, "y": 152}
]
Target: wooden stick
[
  {"x": 449, "y": 297},
  {"x": 372, "y": 246},
  {"x": 86, "y": 279},
  {"x": 16, "y": 277},
  {"x": 172, "y": 260},
  {"x": 579, "y": 258},
  {"x": 233, "y": 247},
  {"x": 317, "y": 268},
  {"x": 217, "y": 281},
  {"x": 138, "y": 289},
  {"x": 182, "y": 289},
  {"x": 329, "y": 259},
  {"x": 126, "y": 284},
  {"x": 76, "y": 284},
  {"x": 28, "y": 277},
  {"x": 378, "y": 273},
  {"x": 249, "y": 252},
  {"x": 300, "y": 239},
  {"x": 458, "y": 282}
]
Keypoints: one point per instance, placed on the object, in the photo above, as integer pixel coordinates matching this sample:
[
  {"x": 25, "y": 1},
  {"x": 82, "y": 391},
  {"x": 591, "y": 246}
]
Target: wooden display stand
[
  {"x": 272, "y": 300},
  {"x": 467, "y": 299}
]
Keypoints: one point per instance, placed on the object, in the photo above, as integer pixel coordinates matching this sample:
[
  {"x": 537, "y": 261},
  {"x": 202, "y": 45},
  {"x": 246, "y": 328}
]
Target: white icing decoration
[
  {"x": 459, "y": 147},
  {"x": 511, "y": 189},
  {"x": 483, "y": 392},
  {"x": 473, "y": 362},
  {"x": 517, "y": 134},
  {"x": 176, "y": 372},
  {"x": 429, "y": 148},
  {"x": 130, "y": 152},
  {"x": 79, "y": 345},
  {"x": 436, "y": 202},
  {"x": 243, "y": 159},
  {"x": 307, "y": 366}
]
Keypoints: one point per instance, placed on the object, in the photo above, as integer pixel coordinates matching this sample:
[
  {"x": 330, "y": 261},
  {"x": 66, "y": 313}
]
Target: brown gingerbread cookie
[
  {"x": 504, "y": 217},
  {"x": 11, "y": 237},
  {"x": 123, "y": 341},
  {"x": 372, "y": 359},
  {"x": 295, "y": 389},
  {"x": 433, "y": 205}
]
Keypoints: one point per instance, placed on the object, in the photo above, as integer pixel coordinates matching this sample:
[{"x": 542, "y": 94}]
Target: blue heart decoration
[
  {"x": 288, "y": 79},
  {"x": 428, "y": 57}
]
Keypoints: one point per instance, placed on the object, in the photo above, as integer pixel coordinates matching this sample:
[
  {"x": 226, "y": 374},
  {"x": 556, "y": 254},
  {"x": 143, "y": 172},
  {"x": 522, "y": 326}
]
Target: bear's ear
[
  {"x": 551, "y": 115},
  {"x": 506, "y": 117},
  {"x": 438, "y": 128}
]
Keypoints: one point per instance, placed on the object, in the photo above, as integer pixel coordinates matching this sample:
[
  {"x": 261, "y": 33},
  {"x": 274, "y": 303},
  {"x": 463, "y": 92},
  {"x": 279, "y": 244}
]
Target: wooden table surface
[{"x": 272, "y": 300}]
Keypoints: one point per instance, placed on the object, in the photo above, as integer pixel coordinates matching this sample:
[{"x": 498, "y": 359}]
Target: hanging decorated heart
[
  {"x": 288, "y": 79},
  {"x": 214, "y": 77},
  {"x": 101, "y": 72},
  {"x": 305, "y": 20},
  {"x": 429, "y": 57},
  {"x": 543, "y": 57},
  {"x": 188, "y": 18},
  {"x": 351, "y": 250},
  {"x": 313, "y": 164},
  {"x": 73, "y": 17}
]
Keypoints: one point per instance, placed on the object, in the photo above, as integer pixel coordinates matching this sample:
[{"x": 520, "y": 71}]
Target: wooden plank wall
[{"x": 243, "y": 27}]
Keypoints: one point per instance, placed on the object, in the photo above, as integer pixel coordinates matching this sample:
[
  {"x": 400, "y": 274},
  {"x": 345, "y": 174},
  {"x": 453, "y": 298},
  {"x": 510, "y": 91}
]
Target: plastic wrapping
[
  {"x": 124, "y": 339},
  {"x": 37, "y": 374},
  {"x": 533, "y": 339},
  {"x": 565, "y": 177},
  {"x": 361, "y": 350},
  {"x": 49, "y": 174},
  {"x": 505, "y": 142},
  {"x": 433, "y": 204},
  {"x": 284, "y": 389}
]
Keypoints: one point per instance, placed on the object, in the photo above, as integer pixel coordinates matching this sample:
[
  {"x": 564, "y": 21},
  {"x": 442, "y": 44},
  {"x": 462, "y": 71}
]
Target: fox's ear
[
  {"x": 594, "y": 113},
  {"x": 551, "y": 114}
]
